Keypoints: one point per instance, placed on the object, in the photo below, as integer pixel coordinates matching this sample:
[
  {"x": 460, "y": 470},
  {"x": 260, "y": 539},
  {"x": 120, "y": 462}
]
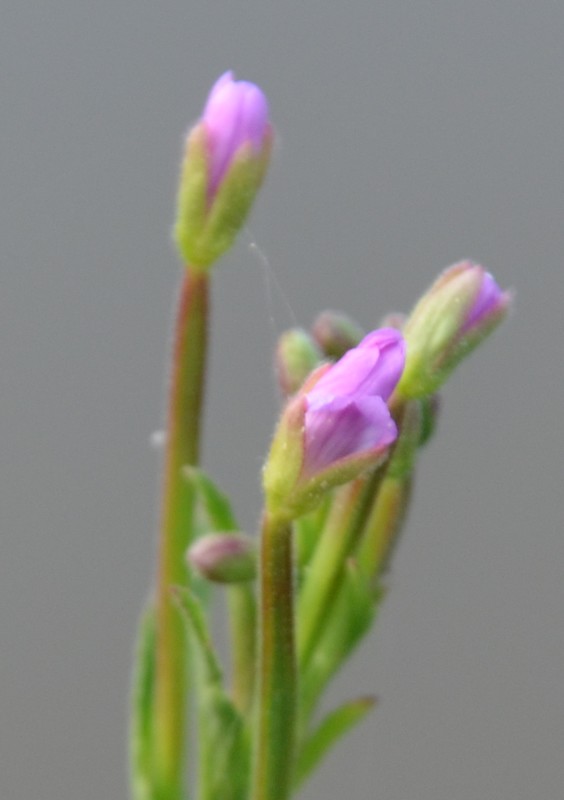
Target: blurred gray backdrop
[{"x": 409, "y": 135}]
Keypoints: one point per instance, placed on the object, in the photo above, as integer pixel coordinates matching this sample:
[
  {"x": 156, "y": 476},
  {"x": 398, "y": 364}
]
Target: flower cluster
[{"x": 357, "y": 410}]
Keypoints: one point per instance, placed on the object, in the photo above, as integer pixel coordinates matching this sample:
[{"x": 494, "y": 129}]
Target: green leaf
[
  {"x": 331, "y": 729},
  {"x": 194, "y": 614},
  {"x": 224, "y": 747},
  {"x": 141, "y": 714},
  {"x": 213, "y": 501}
]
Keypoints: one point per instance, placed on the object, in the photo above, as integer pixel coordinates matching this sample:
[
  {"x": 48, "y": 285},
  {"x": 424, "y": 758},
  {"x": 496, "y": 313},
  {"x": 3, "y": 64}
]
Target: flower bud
[
  {"x": 226, "y": 157},
  {"x": 297, "y": 355},
  {"x": 224, "y": 557},
  {"x": 337, "y": 426},
  {"x": 335, "y": 333},
  {"x": 460, "y": 309}
]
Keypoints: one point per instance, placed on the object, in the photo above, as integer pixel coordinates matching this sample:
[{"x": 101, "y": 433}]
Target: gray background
[{"x": 410, "y": 135}]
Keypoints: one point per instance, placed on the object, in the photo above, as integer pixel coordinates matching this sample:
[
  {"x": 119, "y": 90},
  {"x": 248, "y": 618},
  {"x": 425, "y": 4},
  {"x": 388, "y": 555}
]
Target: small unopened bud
[
  {"x": 297, "y": 355},
  {"x": 335, "y": 333},
  {"x": 460, "y": 309},
  {"x": 227, "y": 153},
  {"x": 224, "y": 557}
]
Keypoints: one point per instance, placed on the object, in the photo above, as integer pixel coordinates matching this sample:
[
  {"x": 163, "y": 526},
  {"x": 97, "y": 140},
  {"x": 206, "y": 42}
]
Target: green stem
[
  {"x": 383, "y": 525},
  {"x": 242, "y": 622},
  {"x": 276, "y": 721},
  {"x": 387, "y": 514},
  {"x": 339, "y": 537},
  {"x": 182, "y": 448}
]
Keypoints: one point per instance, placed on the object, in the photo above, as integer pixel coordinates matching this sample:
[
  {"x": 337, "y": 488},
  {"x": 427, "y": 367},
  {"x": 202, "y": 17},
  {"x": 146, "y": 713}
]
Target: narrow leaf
[
  {"x": 224, "y": 751},
  {"x": 141, "y": 712},
  {"x": 215, "y": 504},
  {"x": 331, "y": 729},
  {"x": 194, "y": 613}
]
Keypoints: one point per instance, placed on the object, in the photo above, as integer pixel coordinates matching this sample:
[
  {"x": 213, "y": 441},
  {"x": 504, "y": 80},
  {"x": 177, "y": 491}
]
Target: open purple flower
[
  {"x": 236, "y": 114},
  {"x": 338, "y": 424}
]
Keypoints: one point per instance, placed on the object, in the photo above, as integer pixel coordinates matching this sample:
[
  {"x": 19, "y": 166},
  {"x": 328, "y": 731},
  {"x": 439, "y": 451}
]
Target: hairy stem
[
  {"x": 276, "y": 714},
  {"x": 182, "y": 448}
]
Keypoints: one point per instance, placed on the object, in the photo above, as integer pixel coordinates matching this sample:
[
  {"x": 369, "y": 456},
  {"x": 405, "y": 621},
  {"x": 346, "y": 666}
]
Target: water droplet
[{"x": 157, "y": 439}]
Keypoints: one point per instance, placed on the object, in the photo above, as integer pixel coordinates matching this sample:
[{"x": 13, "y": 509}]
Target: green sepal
[
  {"x": 284, "y": 463},
  {"x": 192, "y": 194},
  {"x": 224, "y": 746},
  {"x": 233, "y": 202},
  {"x": 402, "y": 460},
  {"x": 332, "y": 728},
  {"x": 206, "y": 227},
  {"x": 141, "y": 728},
  {"x": 472, "y": 338}
]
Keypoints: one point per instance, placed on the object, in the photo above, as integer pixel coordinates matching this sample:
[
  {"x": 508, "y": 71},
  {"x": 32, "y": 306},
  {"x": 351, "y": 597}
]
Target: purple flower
[
  {"x": 236, "y": 114},
  {"x": 460, "y": 309},
  {"x": 225, "y": 161},
  {"x": 336, "y": 426},
  {"x": 346, "y": 412},
  {"x": 487, "y": 301}
]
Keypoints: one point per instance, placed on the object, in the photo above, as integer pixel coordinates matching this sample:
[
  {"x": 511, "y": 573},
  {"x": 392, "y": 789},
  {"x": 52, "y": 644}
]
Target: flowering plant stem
[
  {"x": 340, "y": 535},
  {"x": 176, "y": 530},
  {"x": 277, "y": 674},
  {"x": 242, "y": 622}
]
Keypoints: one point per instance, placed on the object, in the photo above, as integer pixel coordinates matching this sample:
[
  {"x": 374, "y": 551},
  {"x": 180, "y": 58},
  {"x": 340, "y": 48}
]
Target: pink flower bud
[
  {"x": 236, "y": 114},
  {"x": 460, "y": 309},
  {"x": 226, "y": 157},
  {"x": 337, "y": 426},
  {"x": 224, "y": 557},
  {"x": 297, "y": 355}
]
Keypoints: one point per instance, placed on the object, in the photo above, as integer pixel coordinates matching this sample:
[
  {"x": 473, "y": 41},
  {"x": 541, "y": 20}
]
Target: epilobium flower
[
  {"x": 460, "y": 309},
  {"x": 227, "y": 153},
  {"x": 337, "y": 426}
]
